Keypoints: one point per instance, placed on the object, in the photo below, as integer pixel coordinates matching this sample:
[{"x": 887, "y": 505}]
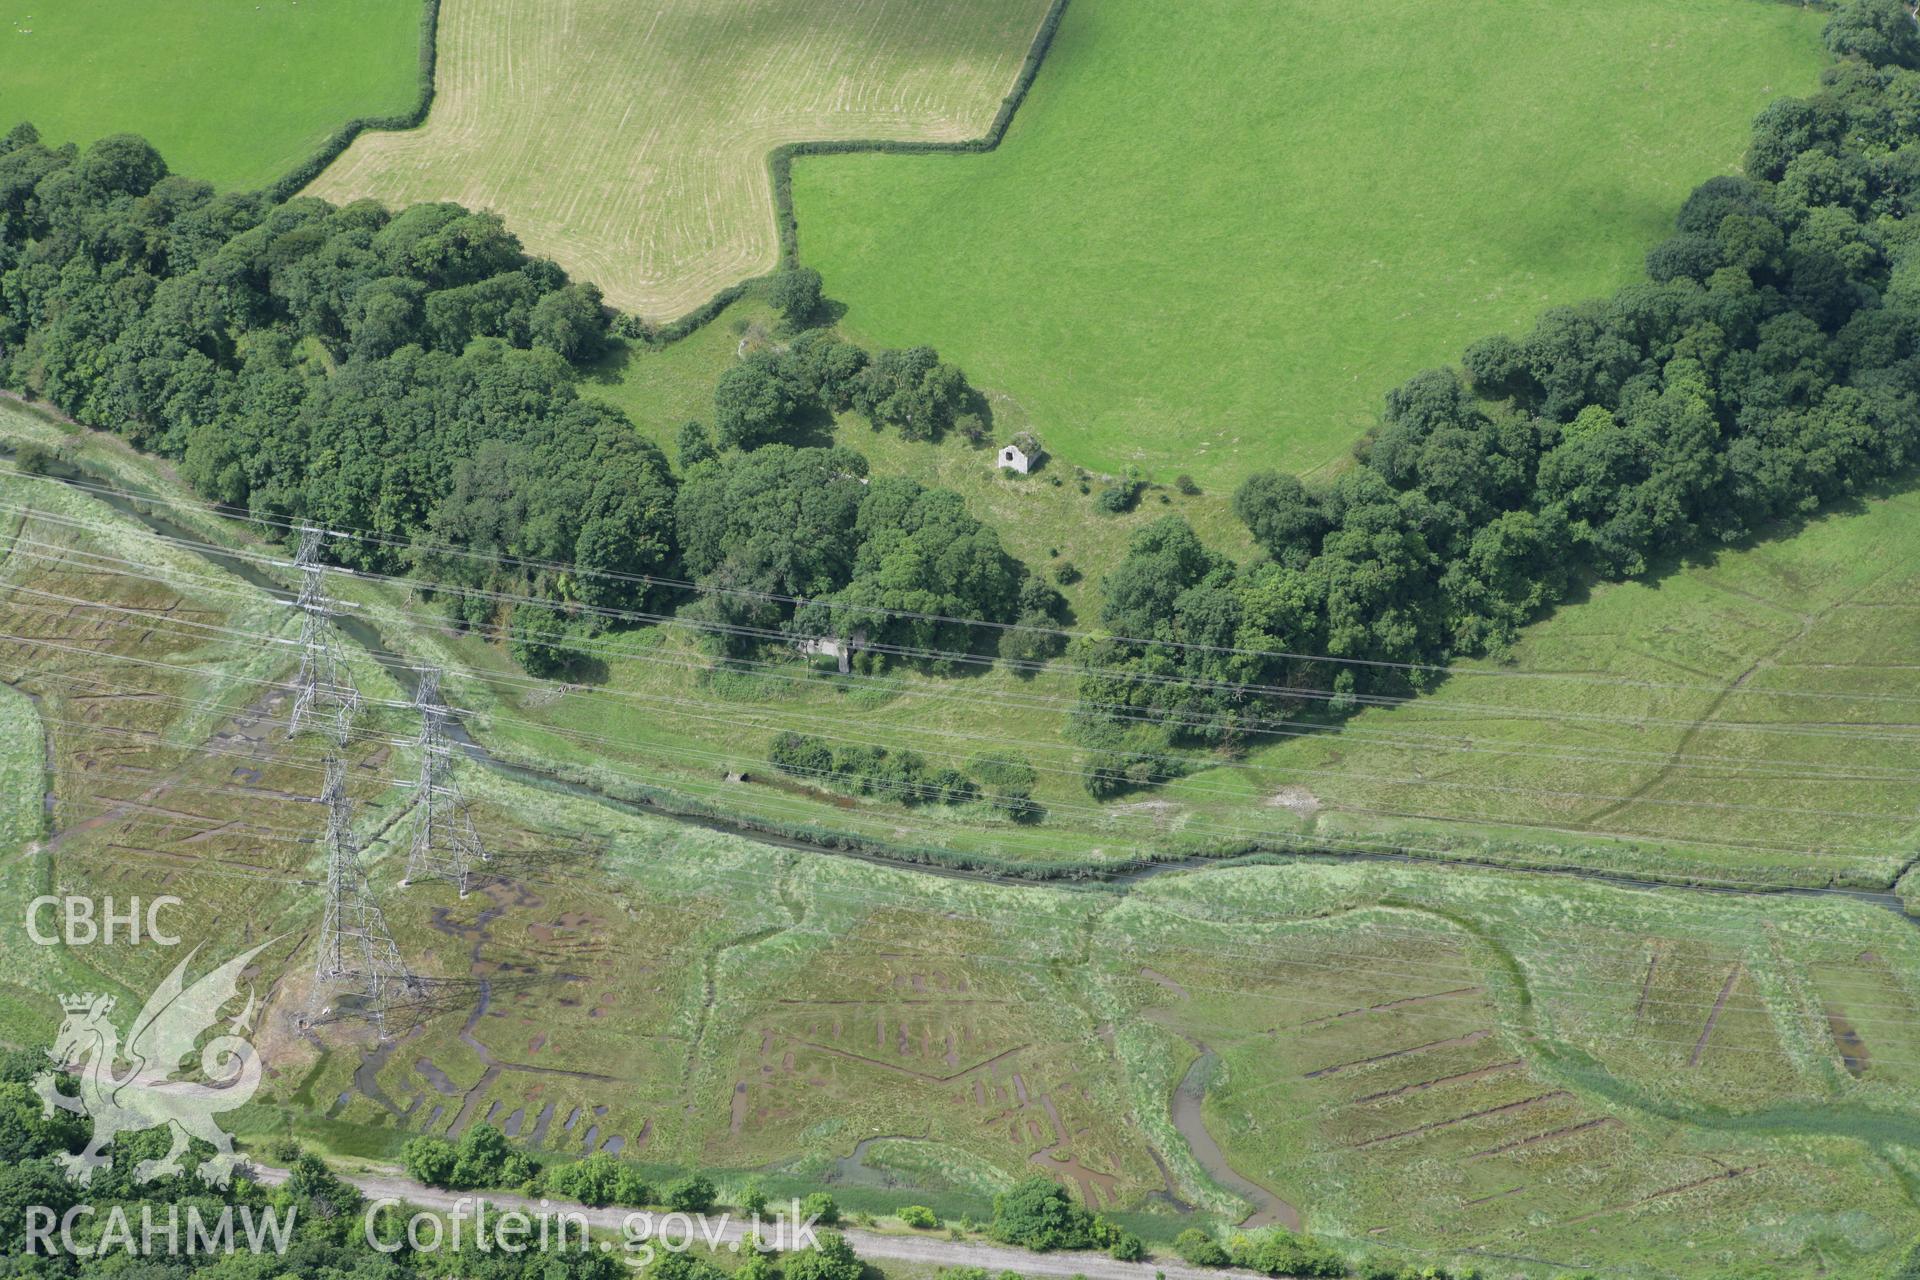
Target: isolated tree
[
  {"x": 1038, "y": 1214},
  {"x": 796, "y": 295},
  {"x": 318, "y": 1191},
  {"x": 921, "y": 558},
  {"x": 692, "y": 1194},
  {"x": 758, "y": 1266},
  {"x": 801, "y": 755},
  {"x": 694, "y": 445},
  {"x": 429, "y": 1160},
  {"x": 386, "y": 315},
  {"x": 779, "y": 520},
  {"x": 1279, "y": 1252},
  {"x": 538, "y": 640},
  {"x": 1200, "y": 1249},
  {"x": 1163, "y": 560},
  {"x": 1123, "y": 494},
  {"x": 820, "y": 1206},
  {"x": 480, "y": 1159},
  {"x": 1033, "y": 639},
  {"x": 831, "y": 1259},
  {"x": 912, "y": 390},
  {"x": 681, "y": 1265},
  {"x": 25, "y": 1132},
  {"x": 753, "y": 1199},
  {"x": 593, "y": 1181},
  {"x": 825, "y": 369},
  {"x": 1495, "y": 365},
  {"x": 1691, "y": 257},
  {"x": 630, "y": 1186},
  {"x": 122, "y": 164},
  {"x": 1008, "y": 781},
  {"x": 1721, "y": 197}
]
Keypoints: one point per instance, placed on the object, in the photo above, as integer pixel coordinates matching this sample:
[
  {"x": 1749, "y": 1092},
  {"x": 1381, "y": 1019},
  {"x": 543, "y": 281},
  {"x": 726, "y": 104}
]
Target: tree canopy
[{"x": 406, "y": 375}]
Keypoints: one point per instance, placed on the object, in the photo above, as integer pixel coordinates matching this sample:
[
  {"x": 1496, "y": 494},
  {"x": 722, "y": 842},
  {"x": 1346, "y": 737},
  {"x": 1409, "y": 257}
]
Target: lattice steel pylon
[
  {"x": 356, "y": 951},
  {"x": 324, "y": 691},
  {"x": 445, "y": 844}
]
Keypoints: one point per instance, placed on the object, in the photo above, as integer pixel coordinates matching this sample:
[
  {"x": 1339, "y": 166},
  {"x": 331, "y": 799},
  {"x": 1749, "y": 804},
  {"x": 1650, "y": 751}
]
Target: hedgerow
[{"x": 295, "y": 179}]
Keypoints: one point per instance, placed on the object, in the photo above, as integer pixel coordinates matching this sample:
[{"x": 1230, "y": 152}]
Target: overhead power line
[{"x": 368, "y": 538}]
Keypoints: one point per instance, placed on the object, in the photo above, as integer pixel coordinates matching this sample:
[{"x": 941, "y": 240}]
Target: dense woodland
[
  {"x": 413, "y": 376},
  {"x": 407, "y": 376},
  {"x": 1769, "y": 363}
]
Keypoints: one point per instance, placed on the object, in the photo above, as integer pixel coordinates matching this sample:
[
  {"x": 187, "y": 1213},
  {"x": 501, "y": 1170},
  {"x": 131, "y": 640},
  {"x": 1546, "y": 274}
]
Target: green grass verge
[{"x": 1215, "y": 235}]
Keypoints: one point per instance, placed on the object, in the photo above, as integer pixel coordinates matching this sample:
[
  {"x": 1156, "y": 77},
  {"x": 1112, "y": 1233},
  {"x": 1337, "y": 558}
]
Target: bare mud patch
[{"x": 1296, "y": 799}]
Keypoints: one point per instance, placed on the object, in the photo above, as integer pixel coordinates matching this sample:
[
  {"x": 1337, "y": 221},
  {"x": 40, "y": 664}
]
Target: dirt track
[{"x": 927, "y": 1249}]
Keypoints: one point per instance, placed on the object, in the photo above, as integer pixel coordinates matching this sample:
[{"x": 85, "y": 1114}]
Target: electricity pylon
[
  {"x": 356, "y": 951},
  {"x": 445, "y": 844},
  {"x": 324, "y": 692}
]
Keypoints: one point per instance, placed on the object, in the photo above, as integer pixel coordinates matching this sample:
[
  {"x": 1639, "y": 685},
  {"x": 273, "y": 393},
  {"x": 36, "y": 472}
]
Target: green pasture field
[
  {"x": 629, "y": 142},
  {"x": 1215, "y": 235},
  {"x": 231, "y": 91}
]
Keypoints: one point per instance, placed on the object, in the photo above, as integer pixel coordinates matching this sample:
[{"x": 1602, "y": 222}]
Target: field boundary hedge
[
  {"x": 780, "y": 160},
  {"x": 780, "y": 174},
  {"x": 291, "y": 183}
]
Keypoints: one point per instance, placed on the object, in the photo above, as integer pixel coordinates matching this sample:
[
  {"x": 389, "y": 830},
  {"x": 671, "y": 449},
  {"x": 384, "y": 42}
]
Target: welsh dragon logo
[{"x": 146, "y": 1096}]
